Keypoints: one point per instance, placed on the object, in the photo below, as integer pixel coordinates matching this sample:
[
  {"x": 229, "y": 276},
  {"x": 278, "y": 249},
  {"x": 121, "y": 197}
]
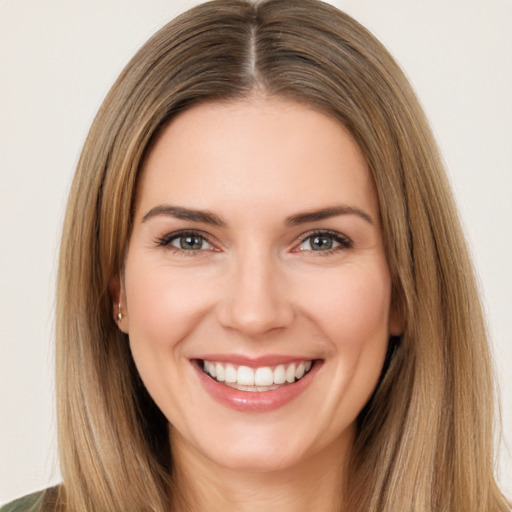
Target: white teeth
[
  {"x": 219, "y": 370},
  {"x": 245, "y": 376},
  {"x": 263, "y": 378},
  {"x": 280, "y": 375},
  {"x": 210, "y": 368},
  {"x": 230, "y": 373},
  {"x": 252, "y": 388},
  {"x": 290, "y": 373}
]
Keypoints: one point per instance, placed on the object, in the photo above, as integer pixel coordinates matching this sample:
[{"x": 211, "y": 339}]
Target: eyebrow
[
  {"x": 326, "y": 213},
  {"x": 208, "y": 217},
  {"x": 177, "y": 212}
]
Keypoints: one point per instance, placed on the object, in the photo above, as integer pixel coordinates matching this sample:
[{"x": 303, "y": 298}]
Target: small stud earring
[{"x": 119, "y": 314}]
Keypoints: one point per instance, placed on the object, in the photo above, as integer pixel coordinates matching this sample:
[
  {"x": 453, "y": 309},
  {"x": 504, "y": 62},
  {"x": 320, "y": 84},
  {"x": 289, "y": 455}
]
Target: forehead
[{"x": 256, "y": 151}]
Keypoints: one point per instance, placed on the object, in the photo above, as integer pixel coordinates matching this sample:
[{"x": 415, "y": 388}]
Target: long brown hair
[{"x": 425, "y": 439}]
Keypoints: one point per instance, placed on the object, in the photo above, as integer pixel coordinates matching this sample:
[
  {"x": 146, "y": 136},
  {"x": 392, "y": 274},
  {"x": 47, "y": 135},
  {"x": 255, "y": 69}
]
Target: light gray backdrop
[{"x": 58, "y": 58}]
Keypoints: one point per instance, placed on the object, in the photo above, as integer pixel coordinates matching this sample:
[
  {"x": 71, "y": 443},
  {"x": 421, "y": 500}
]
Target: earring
[{"x": 119, "y": 314}]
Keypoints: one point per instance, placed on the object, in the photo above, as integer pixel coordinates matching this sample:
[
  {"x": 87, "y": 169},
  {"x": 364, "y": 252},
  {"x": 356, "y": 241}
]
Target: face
[{"x": 256, "y": 291}]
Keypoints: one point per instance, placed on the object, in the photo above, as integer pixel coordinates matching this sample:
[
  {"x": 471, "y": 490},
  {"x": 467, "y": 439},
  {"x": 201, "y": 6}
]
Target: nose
[{"x": 256, "y": 300}]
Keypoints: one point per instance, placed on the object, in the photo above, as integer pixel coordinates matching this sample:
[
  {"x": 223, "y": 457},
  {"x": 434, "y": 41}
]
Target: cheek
[
  {"x": 162, "y": 310},
  {"x": 353, "y": 306},
  {"x": 163, "y": 306},
  {"x": 353, "y": 317}
]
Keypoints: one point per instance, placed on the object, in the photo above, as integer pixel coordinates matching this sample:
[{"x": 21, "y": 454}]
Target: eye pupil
[
  {"x": 321, "y": 243},
  {"x": 191, "y": 242}
]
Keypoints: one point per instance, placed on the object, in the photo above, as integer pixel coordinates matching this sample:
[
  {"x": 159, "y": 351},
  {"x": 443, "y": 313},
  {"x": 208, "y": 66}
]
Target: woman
[{"x": 264, "y": 295}]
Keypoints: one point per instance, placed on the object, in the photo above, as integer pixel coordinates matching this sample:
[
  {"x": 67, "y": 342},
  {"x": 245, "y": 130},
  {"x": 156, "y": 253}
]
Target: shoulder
[
  {"x": 40, "y": 501},
  {"x": 30, "y": 503}
]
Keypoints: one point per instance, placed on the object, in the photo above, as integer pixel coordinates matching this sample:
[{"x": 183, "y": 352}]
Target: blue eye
[
  {"x": 186, "y": 241},
  {"x": 189, "y": 242},
  {"x": 324, "y": 242},
  {"x": 320, "y": 243}
]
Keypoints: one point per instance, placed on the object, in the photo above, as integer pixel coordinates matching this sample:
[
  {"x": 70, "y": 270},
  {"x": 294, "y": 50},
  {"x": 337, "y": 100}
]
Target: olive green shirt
[
  {"x": 30, "y": 503},
  {"x": 37, "y": 502}
]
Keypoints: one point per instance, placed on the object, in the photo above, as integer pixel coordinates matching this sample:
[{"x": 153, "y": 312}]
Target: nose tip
[{"x": 257, "y": 304}]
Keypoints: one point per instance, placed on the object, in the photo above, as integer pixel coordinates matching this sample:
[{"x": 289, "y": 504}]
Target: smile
[
  {"x": 263, "y": 378},
  {"x": 255, "y": 387}
]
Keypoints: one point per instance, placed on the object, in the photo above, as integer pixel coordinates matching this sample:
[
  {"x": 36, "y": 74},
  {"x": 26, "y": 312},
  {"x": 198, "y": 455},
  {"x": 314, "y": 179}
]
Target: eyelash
[
  {"x": 343, "y": 241},
  {"x": 166, "y": 241}
]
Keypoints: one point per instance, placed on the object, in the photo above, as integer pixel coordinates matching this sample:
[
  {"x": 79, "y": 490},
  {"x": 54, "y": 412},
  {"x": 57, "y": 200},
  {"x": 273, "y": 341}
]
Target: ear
[{"x": 119, "y": 307}]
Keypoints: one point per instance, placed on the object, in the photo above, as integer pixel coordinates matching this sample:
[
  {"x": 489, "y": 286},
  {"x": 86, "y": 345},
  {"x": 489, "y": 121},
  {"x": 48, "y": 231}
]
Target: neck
[{"x": 313, "y": 484}]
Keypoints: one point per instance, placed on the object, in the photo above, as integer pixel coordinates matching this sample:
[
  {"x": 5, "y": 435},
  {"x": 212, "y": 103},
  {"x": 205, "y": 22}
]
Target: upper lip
[{"x": 255, "y": 361}]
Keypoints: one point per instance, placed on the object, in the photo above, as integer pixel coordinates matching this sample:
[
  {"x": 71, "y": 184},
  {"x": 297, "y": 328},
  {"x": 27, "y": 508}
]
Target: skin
[{"x": 256, "y": 286}]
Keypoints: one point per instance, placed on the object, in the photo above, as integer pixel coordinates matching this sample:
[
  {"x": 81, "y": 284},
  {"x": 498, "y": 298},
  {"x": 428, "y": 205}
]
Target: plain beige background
[{"x": 57, "y": 61}]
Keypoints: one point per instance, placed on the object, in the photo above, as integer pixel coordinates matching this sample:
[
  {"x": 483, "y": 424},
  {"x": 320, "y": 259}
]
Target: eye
[
  {"x": 324, "y": 241},
  {"x": 190, "y": 242},
  {"x": 186, "y": 241}
]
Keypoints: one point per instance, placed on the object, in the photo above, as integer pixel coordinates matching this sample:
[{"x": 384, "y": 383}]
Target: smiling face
[{"x": 257, "y": 260}]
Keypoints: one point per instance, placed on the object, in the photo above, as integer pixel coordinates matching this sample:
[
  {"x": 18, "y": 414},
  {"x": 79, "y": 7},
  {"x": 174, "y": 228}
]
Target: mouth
[
  {"x": 256, "y": 379},
  {"x": 260, "y": 384}
]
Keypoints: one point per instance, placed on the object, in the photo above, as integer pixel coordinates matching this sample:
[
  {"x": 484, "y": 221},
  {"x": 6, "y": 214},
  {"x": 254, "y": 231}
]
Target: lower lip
[{"x": 256, "y": 401}]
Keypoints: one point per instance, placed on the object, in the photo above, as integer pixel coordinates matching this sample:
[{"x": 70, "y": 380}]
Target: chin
[{"x": 253, "y": 458}]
